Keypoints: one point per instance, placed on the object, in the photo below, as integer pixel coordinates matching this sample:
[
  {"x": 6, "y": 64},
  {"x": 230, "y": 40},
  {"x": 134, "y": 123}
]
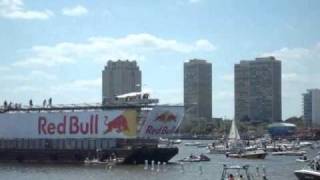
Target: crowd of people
[{"x": 16, "y": 106}]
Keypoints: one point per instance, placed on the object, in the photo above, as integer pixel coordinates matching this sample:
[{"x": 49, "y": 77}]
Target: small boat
[
  {"x": 305, "y": 144},
  {"x": 242, "y": 172},
  {"x": 95, "y": 161},
  {"x": 312, "y": 173},
  {"x": 192, "y": 143},
  {"x": 202, "y": 145},
  {"x": 307, "y": 174},
  {"x": 193, "y": 158},
  {"x": 302, "y": 160},
  {"x": 256, "y": 154},
  {"x": 110, "y": 161},
  {"x": 218, "y": 149},
  {"x": 204, "y": 157},
  {"x": 289, "y": 153},
  {"x": 176, "y": 141}
]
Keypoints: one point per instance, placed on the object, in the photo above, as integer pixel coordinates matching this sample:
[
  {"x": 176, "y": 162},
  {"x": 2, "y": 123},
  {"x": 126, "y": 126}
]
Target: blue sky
[{"x": 59, "y": 48}]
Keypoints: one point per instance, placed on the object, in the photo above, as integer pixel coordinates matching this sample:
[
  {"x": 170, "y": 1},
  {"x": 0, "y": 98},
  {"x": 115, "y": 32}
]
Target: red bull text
[{"x": 69, "y": 125}]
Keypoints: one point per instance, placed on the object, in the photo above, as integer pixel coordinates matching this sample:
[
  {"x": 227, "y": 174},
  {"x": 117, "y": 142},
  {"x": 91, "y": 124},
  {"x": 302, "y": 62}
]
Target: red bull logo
[
  {"x": 166, "y": 117},
  {"x": 119, "y": 124}
]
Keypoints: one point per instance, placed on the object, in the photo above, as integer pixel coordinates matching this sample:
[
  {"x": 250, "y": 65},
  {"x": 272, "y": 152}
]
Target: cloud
[
  {"x": 292, "y": 78},
  {"x": 4, "y": 68},
  {"x": 62, "y": 91},
  {"x": 300, "y": 71},
  {"x": 14, "y": 9},
  {"x": 204, "y": 44},
  {"x": 77, "y": 86},
  {"x": 76, "y": 90},
  {"x": 223, "y": 95},
  {"x": 85, "y": 84},
  {"x": 100, "y": 49},
  {"x": 228, "y": 77},
  {"x": 167, "y": 96},
  {"x": 75, "y": 11},
  {"x": 194, "y": 1},
  {"x": 302, "y": 61},
  {"x": 32, "y": 76},
  {"x": 47, "y": 56},
  {"x": 289, "y": 54}
]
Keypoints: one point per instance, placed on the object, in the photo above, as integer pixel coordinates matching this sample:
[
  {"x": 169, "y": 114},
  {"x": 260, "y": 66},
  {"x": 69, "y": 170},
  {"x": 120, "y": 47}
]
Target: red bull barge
[{"x": 71, "y": 134}]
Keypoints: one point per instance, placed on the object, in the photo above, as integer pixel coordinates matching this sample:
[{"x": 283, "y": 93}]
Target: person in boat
[
  {"x": 192, "y": 156},
  {"x": 305, "y": 157},
  {"x": 241, "y": 177},
  {"x": 317, "y": 158},
  {"x": 30, "y": 103},
  {"x": 203, "y": 157},
  {"x": 114, "y": 156},
  {"x": 50, "y": 102},
  {"x": 5, "y": 105},
  {"x": 44, "y": 103},
  {"x": 230, "y": 177},
  {"x": 10, "y": 105},
  {"x": 317, "y": 165}
]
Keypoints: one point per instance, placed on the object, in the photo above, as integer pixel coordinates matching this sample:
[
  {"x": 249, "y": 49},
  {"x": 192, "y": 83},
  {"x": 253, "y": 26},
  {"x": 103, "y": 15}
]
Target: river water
[{"x": 277, "y": 167}]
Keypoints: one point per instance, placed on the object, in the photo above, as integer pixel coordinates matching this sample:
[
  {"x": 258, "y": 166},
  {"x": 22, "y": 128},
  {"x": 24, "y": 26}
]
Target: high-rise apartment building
[
  {"x": 257, "y": 90},
  {"x": 197, "y": 91},
  {"x": 311, "y": 108},
  {"x": 120, "y": 77}
]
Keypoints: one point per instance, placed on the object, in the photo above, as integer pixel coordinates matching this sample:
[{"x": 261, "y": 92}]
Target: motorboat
[
  {"x": 305, "y": 144},
  {"x": 176, "y": 141},
  {"x": 204, "y": 157},
  {"x": 110, "y": 161},
  {"x": 218, "y": 149},
  {"x": 242, "y": 172},
  {"x": 255, "y": 154},
  {"x": 95, "y": 161},
  {"x": 202, "y": 145},
  {"x": 192, "y": 143},
  {"x": 303, "y": 159},
  {"x": 289, "y": 153},
  {"x": 307, "y": 174},
  {"x": 190, "y": 159},
  {"x": 312, "y": 173},
  {"x": 193, "y": 158}
]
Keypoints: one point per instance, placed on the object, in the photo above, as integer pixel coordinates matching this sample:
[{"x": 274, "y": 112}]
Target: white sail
[{"x": 234, "y": 134}]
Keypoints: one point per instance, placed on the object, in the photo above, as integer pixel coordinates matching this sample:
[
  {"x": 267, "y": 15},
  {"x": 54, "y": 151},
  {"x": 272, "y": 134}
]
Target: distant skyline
[{"x": 59, "y": 48}]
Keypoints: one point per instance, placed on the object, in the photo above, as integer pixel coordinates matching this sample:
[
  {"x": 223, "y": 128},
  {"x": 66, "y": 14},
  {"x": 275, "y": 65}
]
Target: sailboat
[
  {"x": 233, "y": 139},
  {"x": 237, "y": 149}
]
